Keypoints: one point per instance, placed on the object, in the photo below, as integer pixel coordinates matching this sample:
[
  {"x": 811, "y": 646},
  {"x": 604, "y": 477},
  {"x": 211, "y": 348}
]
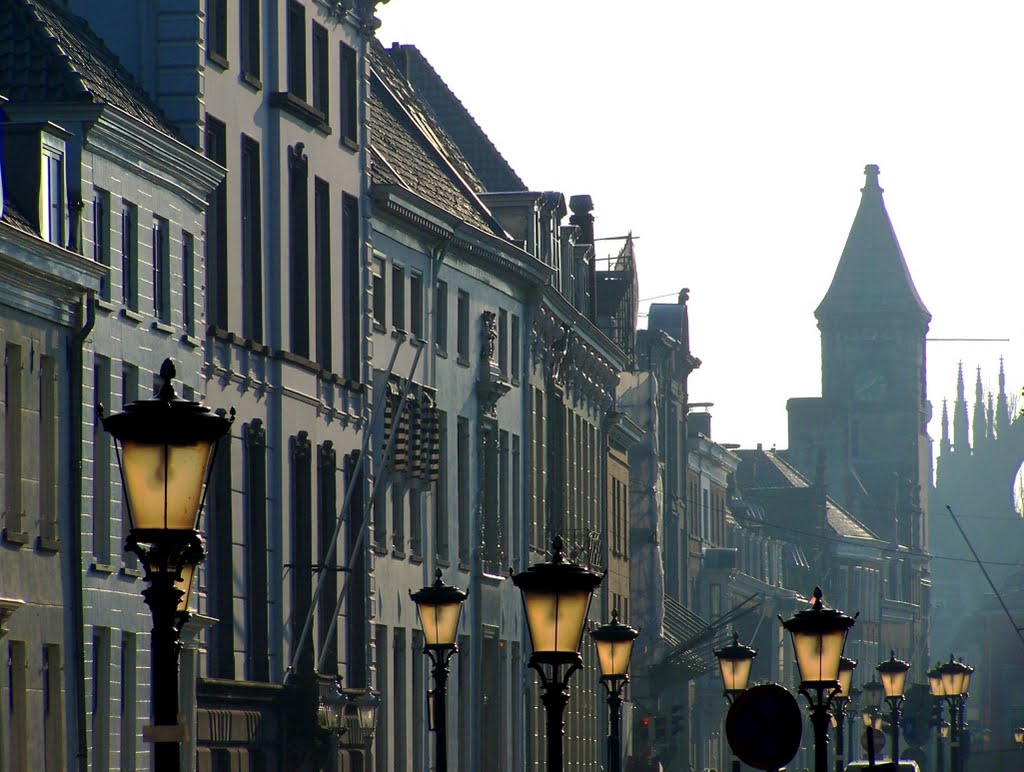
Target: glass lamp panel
[
  {"x": 893, "y": 683},
  {"x": 817, "y": 655},
  {"x": 152, "y": 472},
  {"x": 613, "y": 656},
  {"x": 184, "y": 584},
  {"x": 556, "y": 619},
  {"x": 944, "y": 730},
  {"x": 366, "y": 715},
  {"x": 967, "y": 681},
  {"x": 935, "y": 685},
  {"x": 868, "y": 717},
  {"x": 1018, "y": 735},
  {"x": 735, "y": 673},
  {"x": 845, "y": 678},
  {"x": 440, "y": 623},
  {"x": 953, "y": 682}
]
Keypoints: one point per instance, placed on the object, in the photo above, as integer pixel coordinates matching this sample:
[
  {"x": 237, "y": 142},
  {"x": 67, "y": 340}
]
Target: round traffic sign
[
  {"x": 879, "y": 740},
  {"x": 764, "y": 727}
]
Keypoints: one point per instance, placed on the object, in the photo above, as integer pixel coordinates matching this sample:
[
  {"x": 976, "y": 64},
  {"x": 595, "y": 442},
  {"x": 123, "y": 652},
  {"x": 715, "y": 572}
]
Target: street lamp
[
  {"x": 819, "y": 635},
  {"x": 872, "y": 723},
  {"x": 614, "y": 642},
  {"x": 938, "y": 693},
  {"x": 956, "y": 676},
  {"x": 842, "y": 699},
  {"x": 439, "y": 607},
  {"x": 1018, "y": 736},
  {"x": 164, "y": 450},
  {"x": 893, "y": 673},
  {"x": 734, "y": 662},
  {"x": 851, "y": 719},
  {"x": 556, "y": 598}
]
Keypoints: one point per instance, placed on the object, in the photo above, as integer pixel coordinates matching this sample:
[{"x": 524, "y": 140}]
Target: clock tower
[{"x": 871, "y": 420}]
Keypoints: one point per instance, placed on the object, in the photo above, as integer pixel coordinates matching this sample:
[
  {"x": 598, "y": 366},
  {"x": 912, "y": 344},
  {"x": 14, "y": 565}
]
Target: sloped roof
[
  {"x": 872, "y": 275},
  {"x": 409, "y": 148},
  {"x": 49, "y": 55},
  {"x": 490, "y": 165}
]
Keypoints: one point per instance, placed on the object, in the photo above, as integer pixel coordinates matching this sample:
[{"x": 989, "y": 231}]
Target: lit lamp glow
[
  {"x": 734, "y": 662},
  {"x": 614, "y": 643}
]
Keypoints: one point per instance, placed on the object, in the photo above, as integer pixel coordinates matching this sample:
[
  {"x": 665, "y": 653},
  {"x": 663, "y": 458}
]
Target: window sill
[
  {"x": 515, "y": 381},
  {"x": 300, "y": 109},
  {"x": 416, "y": 341},
  {"x": 378, "y": 549},
  {"x": 190, "y": 340},
  {"x": 44, "y": 544},
  {"x": 349, "y": 143},
  {"x": 416, "y": 557},
  {"x": 105, "y": 306},
  {"x": 399, "y": 334},
  {"x": 15, "y": 537},
  {"x": 378, "y": 327},
  {"x": 162, "y": 327},
  {"x": 101, "y": 568},
  {"x": 135, "y": 573},
  {"x": 132, "y": 316},
  {"x": 398, "y": 553},
  {"x": 251, "y": 80},
  {"x": 462, "y": 361},
  {"x": 465, "y": 566},
  {"x": 441, "y": 353},
  {"x": 218, "y": 59},
  {"x": 442, "y": 562}
]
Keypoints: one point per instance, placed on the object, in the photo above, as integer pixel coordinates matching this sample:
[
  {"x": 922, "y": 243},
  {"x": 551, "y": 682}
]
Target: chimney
[
  {"x": 581, "y": 207},
  {"x": 699, "y": 423}
]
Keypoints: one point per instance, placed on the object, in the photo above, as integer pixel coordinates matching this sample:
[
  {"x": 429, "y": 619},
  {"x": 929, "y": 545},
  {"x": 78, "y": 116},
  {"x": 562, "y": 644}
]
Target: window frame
[{"x": 295, "y": 49}]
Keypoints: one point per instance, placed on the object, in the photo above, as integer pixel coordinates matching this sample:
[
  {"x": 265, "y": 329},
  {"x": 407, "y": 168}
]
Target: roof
[
  {"x": 409, "y": 148},
  {"x": 49, "y": 55},
  {"x": 11, "y": 216},
  {"x": 487, "y": 161},
  {"x": 872, "y": 276}
]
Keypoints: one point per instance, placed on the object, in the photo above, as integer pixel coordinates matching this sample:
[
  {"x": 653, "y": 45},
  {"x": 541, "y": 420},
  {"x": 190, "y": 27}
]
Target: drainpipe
[{"x": 76, "y": 365}]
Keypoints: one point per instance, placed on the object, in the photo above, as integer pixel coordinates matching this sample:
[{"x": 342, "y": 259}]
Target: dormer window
[{"x": 52, "y": 211}]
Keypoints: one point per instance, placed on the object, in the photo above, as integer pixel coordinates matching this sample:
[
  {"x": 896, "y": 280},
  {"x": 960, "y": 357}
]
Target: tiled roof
[
  {"x": 16, "y": 219},
  {"x": 490, "y": 165},
  {"x": 409, "y": 148},
  {"x": 49, "y": 55}
]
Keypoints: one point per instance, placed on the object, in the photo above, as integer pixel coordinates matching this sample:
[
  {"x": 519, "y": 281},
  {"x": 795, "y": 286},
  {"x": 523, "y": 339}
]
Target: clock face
[{"x": 869, "y": 386}]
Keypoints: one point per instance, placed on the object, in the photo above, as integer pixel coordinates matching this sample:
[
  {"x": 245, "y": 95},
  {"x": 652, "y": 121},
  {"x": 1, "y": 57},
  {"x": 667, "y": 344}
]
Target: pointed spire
[
  {"x": 961, "y": 443},
  {"x": 1002, "y": 405},
  {"x": 978, "y": 420},
  {"x": 990, "y": 426},
  {"x": 872, "y": 276},
  {"x": 945, "y": 448}
]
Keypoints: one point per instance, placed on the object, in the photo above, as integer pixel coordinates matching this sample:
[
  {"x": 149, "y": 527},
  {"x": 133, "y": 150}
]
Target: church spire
[
  {"x": 978, "y": 422},
  {"x": 872, "y": 276},
  {"x": 1002, "y": 405},
  {"x": 990, "y": 427},
  {"x": 944, "y": 445},
  {"x": 961, "y": 443}
]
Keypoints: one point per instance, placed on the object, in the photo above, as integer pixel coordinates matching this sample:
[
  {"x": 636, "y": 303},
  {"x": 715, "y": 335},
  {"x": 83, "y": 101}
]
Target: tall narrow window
[
  {"x": 101, "y": 464},
  {"x": 514, "y": 345},
  {"x": 503, "y": 342},
  {"x": 398, "y": 494},
  {"x": 462, "y": 469},
  {"x": 298, "y": 254},
  {"x": 441, "y": 317},
  {"x": 101, "y": 236},
  {"x": 256, "y": 577},
  {"x": 217, "y": 230},
  {"x": 302, "y": 544},
  {"x": 129, "y": 393},
  {"x": 350, "y": 275},
  {"x": 462, "y": 328},
  {"x": 188, "y": 283},
  {"x": 322, "y": 260},
  {"x": 416, "y": 522},
  {"x": 401, "y": 681},
  {"x": 441, "y": 490},
  {"x": 249, "y": 18},
  {"x": 48, "y": 450},
  {"x": 321, "y": 72},
  {"x": 17, "y": 684},
  {"x": 161, "y": 270},
  {"x": 357, "y": 643},
  {"x": 398, "y": 297},
  {"x": 416, "y": 305},
  {"x": 327, "y": 507},
  {"x": 100, "y": 699},
  {"x": 14, "y": 404},
  {"x": 380, "y": 289},
  {"x": 129, "y": 664},
  {"x": 221, "y": 567},
  {"x": 419, "y": 687},
  {"x": 252, "y": 242},
  {"x": 296, "y": 32},
  {"x": 217, "y": 31},
  {"x": 515, "y": 527},
  {"x": 130, "y": 255},
  {"x": 53, "y": 724},
  {"x": 383, "y": 734},
  {"x": 52, "y": 194},
  {"x": 380, "y": 511},
  {"x": 349, "y": 96}
]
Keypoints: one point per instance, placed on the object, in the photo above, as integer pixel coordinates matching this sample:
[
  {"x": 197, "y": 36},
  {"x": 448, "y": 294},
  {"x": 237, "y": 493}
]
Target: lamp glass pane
[
  {"x": 868, "y": 717},
  {"x": 967, "y": 682},
  {"x": 953, "y": 682},
  {"x": 935, "y": 685},
  {"x": 817, "y": 655},
  {"x": 556, "y": 619},
  {"x": 845, "y": 678},
  {"x": 944, "y": 730},
  {"x": 613, "y": 656},
  {"x": 893, "y": 683},
  {"x": 184, "y": 584},
  {"x": 735, "y": 673},
  {"x": 366, "y": 715},
  {"x": 440, "y": 623},
  {"x": 151, "y": 470},
  {"x": 1018, "y": 735}
]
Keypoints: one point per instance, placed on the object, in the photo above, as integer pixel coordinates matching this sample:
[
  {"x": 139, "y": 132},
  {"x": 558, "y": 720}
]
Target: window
[
  {"x": 101, "y": 464},
  {"x": 129, "y": 255},
  {"x": 322, "y": 258},
  {"x": 401, "y": 681},
  {"x": 48, "y": 449},
  {"x": 296, "y": 32},
  {"x": 100, "y": 699},
  {"x": 249, "y": 17},
  {"x": 220, "y": 571},
  {"x": 301, "y": 573},
  {"x": 51, "y": 223},
  {"x": 398, "y": 297},
  {"x": 188, "y": 283},
  {"x": 351, "y": 295},
  {"x": 398, "y": 493},
  {"x": 462, "y": 469},
  {"x": 416, "y": 305},
  {"x": 13, "y": 404},
  {"x": 441, "y": 490},
  {"x": 129, "y": 393},
  {"x": 503, "y": 342},
  {"x": 256, "y": 579},
  {"x": 415, "y": 522},
  {"x": 53, "y": 726},
  {"x": 298, "y": 253},
  {"x": 161, "y": 270},
  {"x": 321, "y": 72},
  {"x": 217, "y": 230},
  {"x": 217, "y": 31},
  {"x": 380, "y": 301},
  {"x": 517, "y": 499},
  {"x": 441, "y": 317},
  {"x": 383, "y": 656},
  {"x": 515, "y": 348},
  {"x": 101, "y": 236},
  {"x": 327, "y": 507},
  {"x": 380, "y": 511},
  {"x": 462, "y": 329},
  {"x": 129, "y": 664},
  {"x": 349, "y": 96},
  {"x": 17, "y": 684},
  {"x": 252, "y": 243}
]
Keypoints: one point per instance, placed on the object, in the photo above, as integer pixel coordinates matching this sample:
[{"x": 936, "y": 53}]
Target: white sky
[{"x": 731, "y": 138}]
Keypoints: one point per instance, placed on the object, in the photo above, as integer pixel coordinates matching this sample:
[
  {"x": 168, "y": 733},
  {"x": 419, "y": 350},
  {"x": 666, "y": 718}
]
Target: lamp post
[
  {"x": 734, "y": 662},
  {"x": 439, "y": 606},
  {"x": 360, "y": 712},
  {"x": 842, "y": 699},
  {"x": 873, "y": 695},
  {"x": 614, "y": 642},
  {"x": 1018, "y": 737},
  {"x": 956, "y": 676},
  {"x": 893, "y": 673},
  {"x": 556, "y": 598},
  {"x": 851, "y": 719},
  {"x": 164, "y": 449},
  {"x": 937, "y": 691},
  {"x": 819, "y": 635}
]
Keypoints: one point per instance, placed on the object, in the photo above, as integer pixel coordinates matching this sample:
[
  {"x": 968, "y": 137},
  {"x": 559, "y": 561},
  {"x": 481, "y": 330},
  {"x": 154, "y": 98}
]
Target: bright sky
[{"x": 731, "y": 138}]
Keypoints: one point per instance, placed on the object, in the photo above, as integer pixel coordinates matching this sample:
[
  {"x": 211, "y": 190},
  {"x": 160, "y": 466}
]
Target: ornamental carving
[{"x": 570, "y": 362}]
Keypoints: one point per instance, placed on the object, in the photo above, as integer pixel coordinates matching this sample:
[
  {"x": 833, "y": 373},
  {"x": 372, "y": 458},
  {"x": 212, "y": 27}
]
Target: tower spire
[
  {"x": 945, "y": 448},
  {"x": 990, "y": 424},
  {"x": 978, "y": 420},
  {"x": 961, "y": 443},
  {"x": 1002, "y": 405}
]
